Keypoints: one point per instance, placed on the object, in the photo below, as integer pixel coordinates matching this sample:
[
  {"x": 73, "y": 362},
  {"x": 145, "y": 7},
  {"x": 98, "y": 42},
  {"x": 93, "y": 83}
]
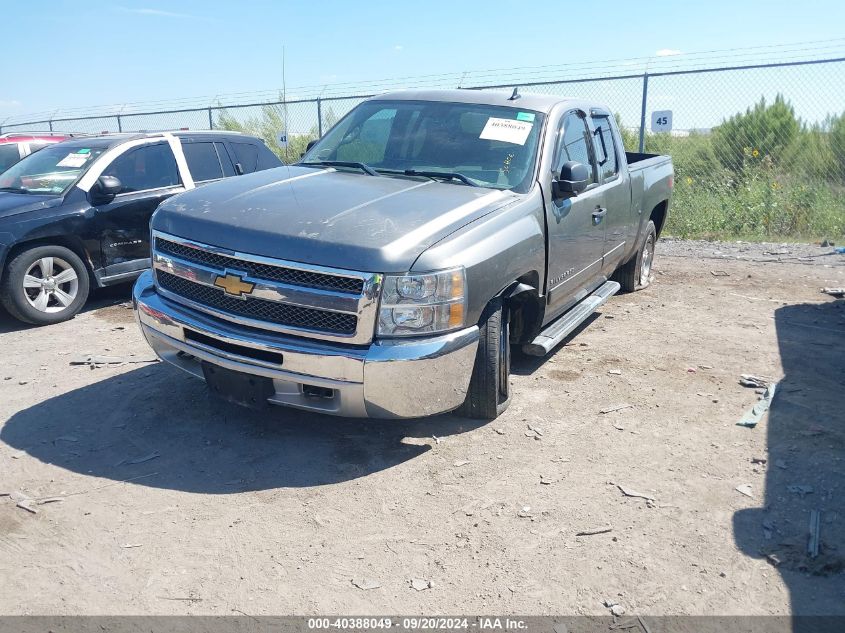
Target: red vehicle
[{"x": 17, "y": 145}]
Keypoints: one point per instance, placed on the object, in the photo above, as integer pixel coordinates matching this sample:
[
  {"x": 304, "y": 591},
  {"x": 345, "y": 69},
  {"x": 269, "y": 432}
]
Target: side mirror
[
  {"x": 106, "y": 188},
  {"x": 239, "y": 169},
  {"x": 572, "y": 180},
  {"x": 311, "y": 144}
]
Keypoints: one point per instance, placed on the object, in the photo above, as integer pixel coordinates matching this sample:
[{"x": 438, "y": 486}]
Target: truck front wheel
[
  {"x": 489, "y": 389},
  {"x": 636, "y": 273}
]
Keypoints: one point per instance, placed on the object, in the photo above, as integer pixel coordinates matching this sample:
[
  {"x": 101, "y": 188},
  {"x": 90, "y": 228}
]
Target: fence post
[
  {"x": 119, "y": 124},
  {"x": 642, "y": 112},
  {"x": 210, "y": 120},
  {"x": 50, "y": 123},
  {"x": 319, "y": 118}
]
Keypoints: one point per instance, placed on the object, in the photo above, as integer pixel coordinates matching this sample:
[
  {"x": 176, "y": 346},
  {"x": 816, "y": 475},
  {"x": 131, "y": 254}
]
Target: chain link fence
[{"x": 759, "y": 150}]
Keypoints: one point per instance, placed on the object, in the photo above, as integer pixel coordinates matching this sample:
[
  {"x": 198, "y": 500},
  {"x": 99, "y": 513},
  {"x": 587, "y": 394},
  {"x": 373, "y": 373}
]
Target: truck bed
[{"x": 638, "y": 161}]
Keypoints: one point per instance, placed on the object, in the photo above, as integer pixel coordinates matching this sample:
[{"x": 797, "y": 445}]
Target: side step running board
[{"x": 558, "y": 330}]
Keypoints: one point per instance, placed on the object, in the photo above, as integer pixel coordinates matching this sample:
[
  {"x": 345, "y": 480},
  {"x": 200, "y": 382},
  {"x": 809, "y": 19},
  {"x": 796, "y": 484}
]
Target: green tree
[
  {"x": 267, "y": 125},
  {"x": 763, "y": 130}
]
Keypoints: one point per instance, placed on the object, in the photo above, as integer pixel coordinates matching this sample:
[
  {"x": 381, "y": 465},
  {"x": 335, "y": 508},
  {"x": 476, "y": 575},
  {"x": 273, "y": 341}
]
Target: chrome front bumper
[{"x": 403, "y": 378}]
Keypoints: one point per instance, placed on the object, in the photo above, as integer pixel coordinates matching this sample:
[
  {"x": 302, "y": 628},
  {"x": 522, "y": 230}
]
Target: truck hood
[
  {"x": 16, "y": 203},
  {"x": 327, "y": 217}
]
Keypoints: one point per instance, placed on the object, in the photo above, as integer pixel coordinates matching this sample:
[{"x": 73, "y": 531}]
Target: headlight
[{"x": 422, "y": 304}]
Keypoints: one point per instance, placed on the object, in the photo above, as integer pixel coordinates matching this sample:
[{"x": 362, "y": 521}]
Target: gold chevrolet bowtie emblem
[{"x": 234, "y": 285}]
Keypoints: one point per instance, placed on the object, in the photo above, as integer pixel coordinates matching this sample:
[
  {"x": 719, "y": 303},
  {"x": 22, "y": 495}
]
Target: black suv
[{"x": 77, "y": 213}]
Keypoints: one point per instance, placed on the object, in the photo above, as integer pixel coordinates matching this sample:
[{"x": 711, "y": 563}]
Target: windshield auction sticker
[
  {"x": 506, "y": 130},
  {"x": 73, "y": 160}
]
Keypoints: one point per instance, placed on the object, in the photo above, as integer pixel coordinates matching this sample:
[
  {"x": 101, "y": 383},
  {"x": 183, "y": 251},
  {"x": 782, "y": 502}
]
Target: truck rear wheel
[
  {"x": 45, "y": 285},
  {"x": 636, "y": 273},
  {"x": 489, "y": 389}
]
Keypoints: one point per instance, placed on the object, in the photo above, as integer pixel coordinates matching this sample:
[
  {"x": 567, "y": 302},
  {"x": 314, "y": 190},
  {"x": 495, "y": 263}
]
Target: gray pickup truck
[{"x": 390, "y": 272}]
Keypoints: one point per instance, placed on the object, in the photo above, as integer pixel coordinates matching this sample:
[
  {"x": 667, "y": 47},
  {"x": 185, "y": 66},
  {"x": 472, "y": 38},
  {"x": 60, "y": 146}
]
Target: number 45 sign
[{"x": 661, "y": 121}]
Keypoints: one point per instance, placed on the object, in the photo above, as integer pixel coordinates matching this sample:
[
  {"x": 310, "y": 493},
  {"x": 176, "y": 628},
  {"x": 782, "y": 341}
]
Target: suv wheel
[{"x": 45, "y": 285}]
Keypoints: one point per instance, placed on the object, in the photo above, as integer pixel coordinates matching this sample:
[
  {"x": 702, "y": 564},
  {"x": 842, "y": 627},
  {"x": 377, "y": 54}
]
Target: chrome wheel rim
[
  {"x": 50, "y": 285},
  {"x": 648, "y": 257}
]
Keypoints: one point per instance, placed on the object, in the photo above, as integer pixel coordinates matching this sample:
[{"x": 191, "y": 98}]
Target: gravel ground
[{"x": 167, "y": 502}]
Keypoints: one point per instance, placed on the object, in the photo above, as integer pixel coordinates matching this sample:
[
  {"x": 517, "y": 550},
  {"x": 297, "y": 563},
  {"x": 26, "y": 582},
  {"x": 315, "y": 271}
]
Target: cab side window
[
  {"x": 145, "y": 167},
  {"x": 574, "y": 145},
  {"x": 605, "y": 148}
]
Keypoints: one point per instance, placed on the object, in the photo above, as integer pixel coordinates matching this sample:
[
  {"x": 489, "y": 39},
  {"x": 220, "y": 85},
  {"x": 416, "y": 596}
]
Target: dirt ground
[{"x": 172, "y": 503}]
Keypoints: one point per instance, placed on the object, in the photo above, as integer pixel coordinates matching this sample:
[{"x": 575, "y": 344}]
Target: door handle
[{"x": 598, "y": 215}]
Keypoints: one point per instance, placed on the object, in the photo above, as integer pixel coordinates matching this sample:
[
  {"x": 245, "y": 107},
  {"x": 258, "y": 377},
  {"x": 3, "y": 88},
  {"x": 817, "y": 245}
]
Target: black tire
[
  {"x": 23, "y": 300},
  {"x": 635, "y": 274},
  {"x": 489, "y": 389}
]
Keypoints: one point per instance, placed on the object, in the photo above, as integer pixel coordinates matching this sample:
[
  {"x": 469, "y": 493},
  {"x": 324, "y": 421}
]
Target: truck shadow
[
  {"x": 156, "y": 419},
  {"x": 805, "y": 437}
]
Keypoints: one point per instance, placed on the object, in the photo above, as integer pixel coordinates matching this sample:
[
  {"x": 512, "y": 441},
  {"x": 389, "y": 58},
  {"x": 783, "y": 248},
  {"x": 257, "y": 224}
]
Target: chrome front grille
[
  {"x": 293, "y": 276},
  {"x": 278, "y": 295},
  {"x": 260, "y": 309}
]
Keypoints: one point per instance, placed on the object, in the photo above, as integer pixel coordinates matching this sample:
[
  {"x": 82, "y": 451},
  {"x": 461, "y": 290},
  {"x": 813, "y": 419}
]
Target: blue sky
[{"x": 67, "y": 54}]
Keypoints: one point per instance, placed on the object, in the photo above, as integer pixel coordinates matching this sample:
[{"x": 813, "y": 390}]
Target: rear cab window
[{"x": 605, "y": 146}]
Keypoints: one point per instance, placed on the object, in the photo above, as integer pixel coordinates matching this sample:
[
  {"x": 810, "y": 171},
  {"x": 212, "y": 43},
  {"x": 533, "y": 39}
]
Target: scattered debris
[
  {"x": 615, "y": 607},
  {"x": 745, "y": 489},
  {"x": 800, "y": 489},
  {"x": 755, "y": 413},
  {"x": 755, "y": 382},
  {"x": 47, "y": 500},
  {"x": 525, "y": 513},
  {"x": 420, "y": 585},
  {"x": 617, "y": 407},
  {"x": 815, "y": 526},
  {"x": 827, "y": 243},
  {"x": 94, "y": 361},
  {"x": 705, "y": 366},
  {"x": 633, "y": 493},
  {"x": 366, "y": 583},
  {"x": 618, "y": 426},
  {"x": 773, "y": 559},
  {"x": 500, "y": 431},
  {"x": 534, "y": 432},
  {"x": 131, "y": 545},
  {"x": 461, "y": 462},
  {"x": 599, "y": 530},
  {"x": 759, "y": 460},
  {"x": 720, "y": 273},
  {"x": 614, "y": 372},
  {"x": 834, "y": 292},
  {"x": 436, "y": 439}
]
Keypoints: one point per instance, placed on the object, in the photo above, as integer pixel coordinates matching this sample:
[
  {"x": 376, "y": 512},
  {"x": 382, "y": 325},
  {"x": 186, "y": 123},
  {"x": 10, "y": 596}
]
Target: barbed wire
[{"x": 786, "y": 53}]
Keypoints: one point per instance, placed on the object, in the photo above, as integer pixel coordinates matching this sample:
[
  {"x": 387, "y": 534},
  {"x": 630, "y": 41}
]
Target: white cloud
[
  {"x": 398, "y": 47},
  {"x": 668, "y": 52},
  {"x": 10, "y": 103}
]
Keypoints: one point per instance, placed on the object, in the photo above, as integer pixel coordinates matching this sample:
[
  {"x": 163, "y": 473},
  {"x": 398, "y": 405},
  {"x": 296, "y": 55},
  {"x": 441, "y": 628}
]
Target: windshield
[
  {"x": 9, "y": 155},
  {"x": 50, "y": 170},
  {"x": 489, "y": 146}
]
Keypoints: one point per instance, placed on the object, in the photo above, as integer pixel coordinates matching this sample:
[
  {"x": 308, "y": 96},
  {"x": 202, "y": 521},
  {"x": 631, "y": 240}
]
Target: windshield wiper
[
  {"x": 15, "y": 189},
  {"x": 448, "y": 175},
  {"x": 344, "y": 163}
]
